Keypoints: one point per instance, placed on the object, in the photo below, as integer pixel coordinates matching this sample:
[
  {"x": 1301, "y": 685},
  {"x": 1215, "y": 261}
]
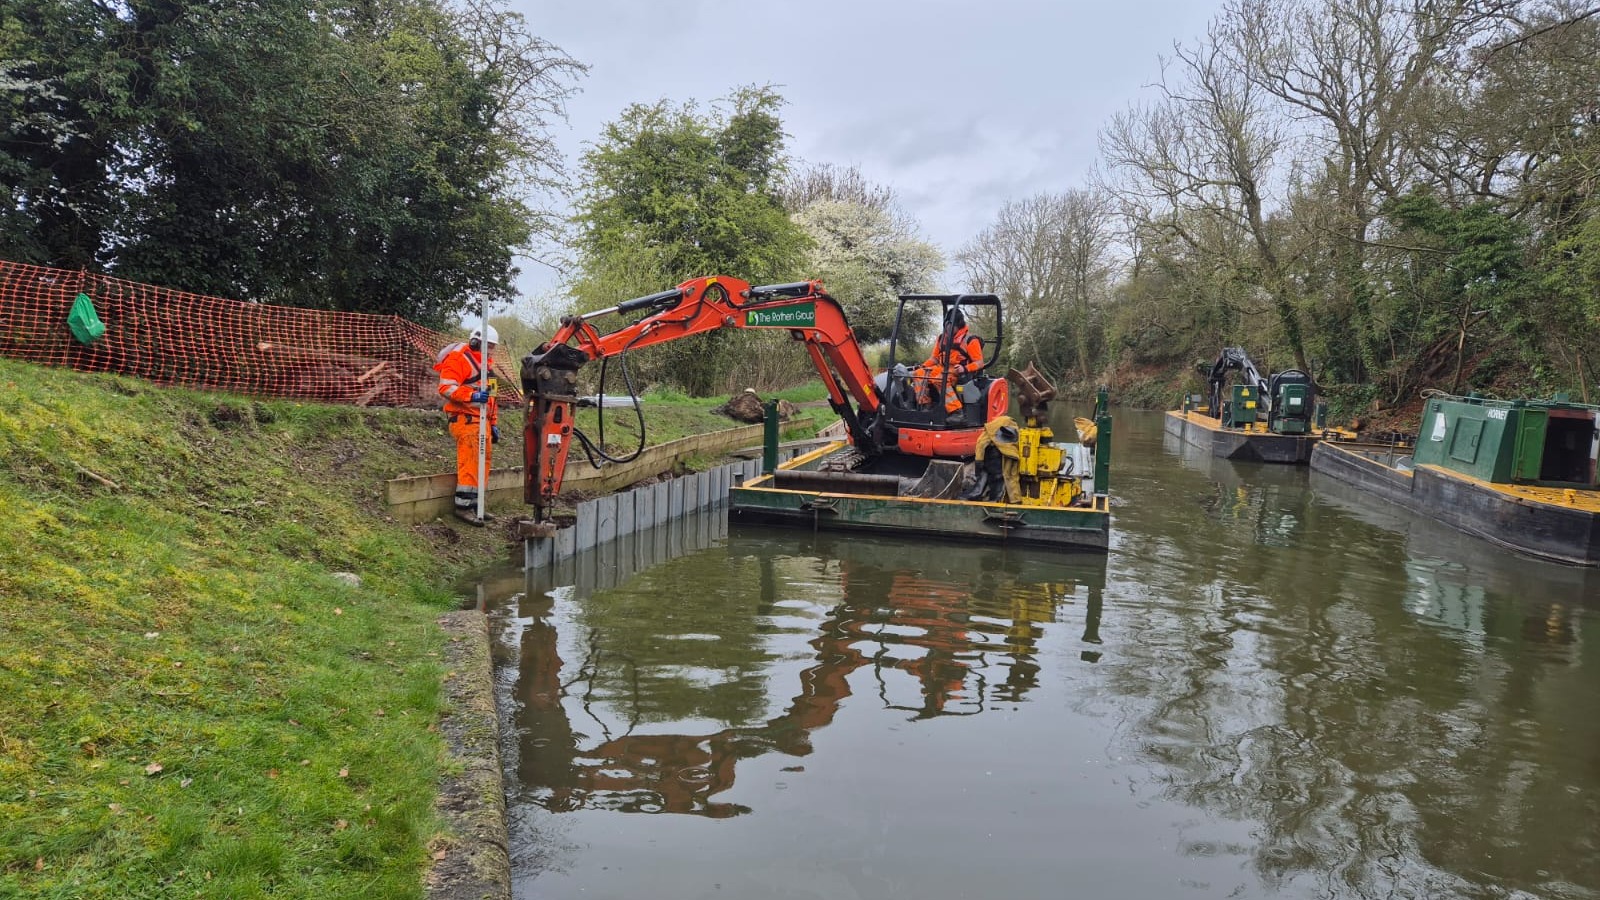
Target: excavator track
[{"x": 844, "y": 462}]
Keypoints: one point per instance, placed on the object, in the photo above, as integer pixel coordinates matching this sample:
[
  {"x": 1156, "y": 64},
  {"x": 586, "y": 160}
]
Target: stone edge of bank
[{"x": 471, "y": 861}]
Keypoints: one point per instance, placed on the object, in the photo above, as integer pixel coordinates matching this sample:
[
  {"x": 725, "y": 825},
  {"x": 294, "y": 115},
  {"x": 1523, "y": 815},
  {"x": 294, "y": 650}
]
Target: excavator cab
[{"x": 916, "y": 415}]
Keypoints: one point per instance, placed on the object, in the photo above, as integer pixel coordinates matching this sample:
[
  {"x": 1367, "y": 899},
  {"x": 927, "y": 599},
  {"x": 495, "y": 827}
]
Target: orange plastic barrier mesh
[{"x": 172, "y": 337}]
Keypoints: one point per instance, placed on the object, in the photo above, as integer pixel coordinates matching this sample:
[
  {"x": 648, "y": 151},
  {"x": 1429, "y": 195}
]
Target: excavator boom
[{"x": 804, "y": 309}]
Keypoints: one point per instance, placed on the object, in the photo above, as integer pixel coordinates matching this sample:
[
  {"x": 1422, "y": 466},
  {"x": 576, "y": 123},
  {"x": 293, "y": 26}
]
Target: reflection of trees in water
[
  {"x": 958, "y": 645},
  {"x": 1380, "y": 755}
]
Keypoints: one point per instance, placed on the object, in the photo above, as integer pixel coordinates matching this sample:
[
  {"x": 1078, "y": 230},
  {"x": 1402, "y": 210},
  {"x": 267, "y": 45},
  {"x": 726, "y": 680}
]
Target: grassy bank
[
  {"x": 191, "y": 704},
  {"x": 669, "y": 415}
]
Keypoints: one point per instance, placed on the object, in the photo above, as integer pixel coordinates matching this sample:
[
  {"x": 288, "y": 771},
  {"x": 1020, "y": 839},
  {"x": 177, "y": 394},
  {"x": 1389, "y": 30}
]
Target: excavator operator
[
  {"x": 957, "y": 354},
  {"x": 468, "y": 393}
]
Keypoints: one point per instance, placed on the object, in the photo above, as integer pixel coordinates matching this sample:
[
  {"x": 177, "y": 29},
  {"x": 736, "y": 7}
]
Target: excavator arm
[
  {"x": 1233, "y": 359},
  {"x": 804, "y": 309}
]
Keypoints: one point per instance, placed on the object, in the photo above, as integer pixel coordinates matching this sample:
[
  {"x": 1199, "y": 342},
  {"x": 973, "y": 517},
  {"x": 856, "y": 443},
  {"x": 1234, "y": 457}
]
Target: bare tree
[
  {"x": 826, "y": 181},
  {"x": 1354, "y": 75},
  {"x": 1048, "y": 256},
  {"x": 1200, "y": 161},
  {"x": 530, "y": 80}
]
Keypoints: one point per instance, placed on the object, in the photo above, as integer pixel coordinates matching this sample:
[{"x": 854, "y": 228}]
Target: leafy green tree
[
  {"x": 673, "y": 192},
  {"x": 68, "y": 94},
  {"x": 1461, "y": 268},
  {"x": 375, "y": 155}
]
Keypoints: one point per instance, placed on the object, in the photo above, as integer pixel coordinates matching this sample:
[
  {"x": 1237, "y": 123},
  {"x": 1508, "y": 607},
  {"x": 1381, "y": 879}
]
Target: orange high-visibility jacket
[
  {"x": 460, "y": 371},
  {"x": 962, "y": 355}
]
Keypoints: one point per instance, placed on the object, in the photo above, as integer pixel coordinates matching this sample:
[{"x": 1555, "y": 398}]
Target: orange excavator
[{"x": 884, "y": 420}]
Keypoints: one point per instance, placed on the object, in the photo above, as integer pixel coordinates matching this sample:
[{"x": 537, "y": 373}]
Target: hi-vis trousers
[{"x": 465, "y": 431}]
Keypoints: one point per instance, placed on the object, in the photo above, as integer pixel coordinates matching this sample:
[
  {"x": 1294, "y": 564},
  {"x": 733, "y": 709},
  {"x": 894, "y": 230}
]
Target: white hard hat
[{"x": 477, "y": 335}]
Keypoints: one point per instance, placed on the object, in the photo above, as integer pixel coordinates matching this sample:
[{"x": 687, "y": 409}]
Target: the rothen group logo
[{"x": 801, "y": 315}]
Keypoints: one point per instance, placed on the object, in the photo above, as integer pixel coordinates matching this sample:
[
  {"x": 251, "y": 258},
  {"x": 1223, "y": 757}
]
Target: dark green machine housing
[
  {"x": 1292, "y": 408},
  {"x": 1241, "y": 409},
  {"x": 1552, "y": 443},
  {"x": 1294, "y": 399}
]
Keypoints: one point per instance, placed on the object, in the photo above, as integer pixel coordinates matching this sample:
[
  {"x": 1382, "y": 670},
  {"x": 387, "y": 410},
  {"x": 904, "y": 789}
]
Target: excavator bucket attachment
[{"x": 1034, "y": 392}]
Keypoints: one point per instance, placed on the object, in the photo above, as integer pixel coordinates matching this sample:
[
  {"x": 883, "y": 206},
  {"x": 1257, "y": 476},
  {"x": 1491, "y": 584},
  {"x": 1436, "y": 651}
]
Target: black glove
[{"x": 495, "y": 431}]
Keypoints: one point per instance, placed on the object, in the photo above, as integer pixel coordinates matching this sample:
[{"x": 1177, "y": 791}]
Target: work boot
[{"x": 469, "y": 516}]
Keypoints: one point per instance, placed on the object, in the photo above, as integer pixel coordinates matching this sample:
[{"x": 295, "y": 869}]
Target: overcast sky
[{"x": 959, "y": 106}]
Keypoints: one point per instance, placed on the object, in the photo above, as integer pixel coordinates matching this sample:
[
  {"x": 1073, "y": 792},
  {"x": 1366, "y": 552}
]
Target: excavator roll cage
[{"x": 899, "y": 411}]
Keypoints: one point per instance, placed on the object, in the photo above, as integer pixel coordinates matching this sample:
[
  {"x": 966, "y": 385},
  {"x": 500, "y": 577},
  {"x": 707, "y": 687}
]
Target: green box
[
  {"x": 1292, "y": 409},
  {"x": 1243, "y": 408},
  {"x": 1471, "y": 437}
]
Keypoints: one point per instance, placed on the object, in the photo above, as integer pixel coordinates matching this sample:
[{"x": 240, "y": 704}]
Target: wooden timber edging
[{"x": 419, "y": 498}]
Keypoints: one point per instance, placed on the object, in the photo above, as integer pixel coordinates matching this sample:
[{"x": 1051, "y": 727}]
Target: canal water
[{"x": 1271, "y": 687}]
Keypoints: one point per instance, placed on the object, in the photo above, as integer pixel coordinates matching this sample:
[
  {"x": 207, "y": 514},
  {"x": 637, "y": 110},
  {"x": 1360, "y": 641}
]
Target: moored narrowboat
[{"x": 1521, "y": 474}]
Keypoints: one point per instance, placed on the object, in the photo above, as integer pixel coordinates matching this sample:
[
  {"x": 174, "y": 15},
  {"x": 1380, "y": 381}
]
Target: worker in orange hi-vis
[
  {"x": 469, "y": 392},
  {"x": 956, "y": 354}
]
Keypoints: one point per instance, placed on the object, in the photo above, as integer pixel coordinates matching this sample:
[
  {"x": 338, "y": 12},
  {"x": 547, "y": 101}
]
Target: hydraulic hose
[{"x": 598, "y": 453}]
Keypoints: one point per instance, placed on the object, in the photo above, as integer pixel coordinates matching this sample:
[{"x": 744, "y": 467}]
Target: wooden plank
[
  {"x": 371, "y": 394},
  {"x": 373, "y": 371}
]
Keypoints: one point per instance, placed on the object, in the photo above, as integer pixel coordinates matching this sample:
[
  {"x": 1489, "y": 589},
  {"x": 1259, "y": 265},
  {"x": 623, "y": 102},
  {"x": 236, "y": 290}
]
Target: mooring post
[
  {"x": 1102, "y": 441},
  {"x": 769, "y": 446}
]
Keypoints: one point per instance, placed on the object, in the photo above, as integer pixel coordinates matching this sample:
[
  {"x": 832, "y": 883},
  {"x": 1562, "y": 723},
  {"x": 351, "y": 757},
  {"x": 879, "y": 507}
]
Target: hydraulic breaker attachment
[{"x": 550, "y": 382}]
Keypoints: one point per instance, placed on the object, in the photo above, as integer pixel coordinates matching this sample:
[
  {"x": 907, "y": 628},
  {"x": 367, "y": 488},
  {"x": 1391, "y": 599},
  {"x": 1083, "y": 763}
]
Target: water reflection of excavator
[{"x": 948, "y": 638}]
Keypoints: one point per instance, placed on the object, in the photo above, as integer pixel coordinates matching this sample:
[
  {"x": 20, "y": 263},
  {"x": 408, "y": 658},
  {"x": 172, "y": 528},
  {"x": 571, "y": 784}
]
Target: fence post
[{"x": 769, "y": 444}]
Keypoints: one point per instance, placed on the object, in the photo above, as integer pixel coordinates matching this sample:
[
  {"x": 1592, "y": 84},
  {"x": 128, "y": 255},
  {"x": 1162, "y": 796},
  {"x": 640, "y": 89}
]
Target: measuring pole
[{"x": 483, "y": 413}]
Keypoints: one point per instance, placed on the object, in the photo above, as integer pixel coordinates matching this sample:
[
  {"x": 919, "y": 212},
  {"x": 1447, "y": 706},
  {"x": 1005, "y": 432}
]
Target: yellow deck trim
[
  {"x": 1201, "y": 420},
  {"x": 818, "y": 453},
  {"x": 756, "y": 485},
  {"x": 1581, "y": 499}
]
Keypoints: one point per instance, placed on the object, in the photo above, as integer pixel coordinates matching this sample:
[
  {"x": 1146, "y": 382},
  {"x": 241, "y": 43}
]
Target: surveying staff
[
  {"x": 468, "y": 392},
  {"x": 956, "y": 354}
]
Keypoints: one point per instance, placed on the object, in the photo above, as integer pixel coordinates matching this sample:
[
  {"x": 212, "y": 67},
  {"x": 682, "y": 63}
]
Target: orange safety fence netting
[{"x": 173, "y": 337}]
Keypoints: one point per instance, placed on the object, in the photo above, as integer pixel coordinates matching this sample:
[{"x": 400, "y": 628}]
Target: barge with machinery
[
  {"x": 929, "y": 450},
  {"x": 1521, "y": 474}
]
